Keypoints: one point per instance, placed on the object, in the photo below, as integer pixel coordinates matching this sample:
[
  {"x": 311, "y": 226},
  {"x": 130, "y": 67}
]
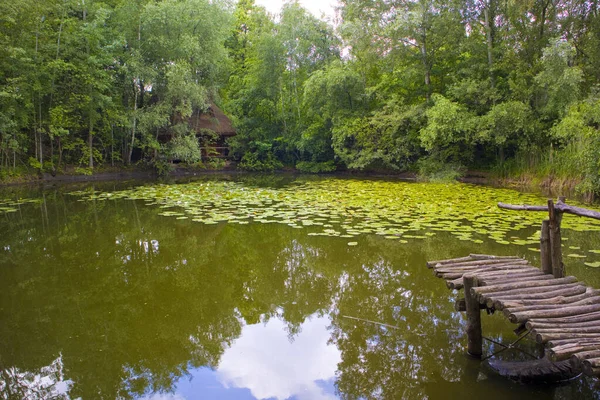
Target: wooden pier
[{"x": 561, "y": 313}]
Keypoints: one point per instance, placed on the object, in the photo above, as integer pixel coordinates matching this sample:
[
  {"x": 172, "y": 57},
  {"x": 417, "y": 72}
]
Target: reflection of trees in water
[
  {"x": 46, "y": 383},
  {"x": 134, "y": 300},
  {"x": 131, "y": 301},
  {"x": 382, "y": 362}
]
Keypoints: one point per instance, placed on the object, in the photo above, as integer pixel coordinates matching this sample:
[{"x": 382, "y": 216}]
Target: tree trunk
[{"x": 490, "y": 43}]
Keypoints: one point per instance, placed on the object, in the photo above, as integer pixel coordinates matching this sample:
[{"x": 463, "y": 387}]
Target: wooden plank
[
  {"x": 589, "y": 316},
  {"x": 552, "y": 300},
  {"x": 518, "y": 317},
  {"x": 524, "y": 273},
  {"x": 476, "y": 263},
  {"x": 583, "y": 302},
  {"x": 562, "y": 207},
  {"x": 493, "y": 299},
  {"x": 501, "y": 288},
  {"x": 543, "y": 338}
]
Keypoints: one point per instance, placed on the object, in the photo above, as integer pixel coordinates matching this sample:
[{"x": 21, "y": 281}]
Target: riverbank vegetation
[{"x": 423, "y": 85}]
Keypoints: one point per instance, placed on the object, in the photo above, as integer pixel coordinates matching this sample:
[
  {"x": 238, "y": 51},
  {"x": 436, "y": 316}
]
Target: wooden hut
[{"x": 214, "y": 120}]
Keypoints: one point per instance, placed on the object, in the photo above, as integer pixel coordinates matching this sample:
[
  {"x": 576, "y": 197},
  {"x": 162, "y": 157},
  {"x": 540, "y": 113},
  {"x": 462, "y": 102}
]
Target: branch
[{"x": 560, "y": 207}]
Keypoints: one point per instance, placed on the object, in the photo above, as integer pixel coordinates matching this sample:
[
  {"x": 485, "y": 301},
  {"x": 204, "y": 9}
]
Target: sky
[{"x": 316, "y": 7}]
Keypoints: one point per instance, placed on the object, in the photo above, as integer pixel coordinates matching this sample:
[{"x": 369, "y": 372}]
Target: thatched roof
[{"x": 213, "y": 119}]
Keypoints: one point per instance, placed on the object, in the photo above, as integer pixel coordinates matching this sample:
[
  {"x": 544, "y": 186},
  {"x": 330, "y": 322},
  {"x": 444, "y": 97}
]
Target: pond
[{"x": 243, "y": 287}]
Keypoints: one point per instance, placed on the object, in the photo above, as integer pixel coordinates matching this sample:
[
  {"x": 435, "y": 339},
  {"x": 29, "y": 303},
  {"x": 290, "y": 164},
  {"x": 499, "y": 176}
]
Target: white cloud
[{"x": 264, "y": 361}]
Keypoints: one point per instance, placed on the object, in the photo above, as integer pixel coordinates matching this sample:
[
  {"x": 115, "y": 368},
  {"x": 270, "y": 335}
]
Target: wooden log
[
  {"x": 474, "y": 335},
  {"x": 533, "y": 371},
  {"x": 522, "y": 285},
  {"x": 584, "y": 317},
  {"x": 589, "y": 329},
  {"x": 558, "y": 269},
  {"x": 562, "y": 207},
  {"x": 578, "y": 356},
  {"x": 518, "y": 317},
  {"x": 553, "y": 325},
  {"x": 587, "y": 301},
  {"x": 534, "y": 293},
  {"x": 458, "y": 282},
  {"x": 566, "y": 352},
  {"x": 552, "y": 300},
  {"x": 454, "y": 274},
  {"x": 546, "y": 337},
  {"x": 510, "y": 278},
  {"x": 476, "y": 263},
  {"x": 545, "y": 256},
  {"x": 460, "y": 305},
  {"x": 591, "y": 366},
  {"x": 480, "y": 267},
  {"x": 431, "y": 264},
  {"x": 565, "y": 343},
  {"x": 481, "y": 273},
  {"x": 470, "y": 257}
]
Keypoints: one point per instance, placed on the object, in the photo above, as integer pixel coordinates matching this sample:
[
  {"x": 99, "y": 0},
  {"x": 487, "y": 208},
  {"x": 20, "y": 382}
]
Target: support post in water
[
  {"x": 545, "y": 253},
  {"x": 558, "y": 269},
  {"x": 474, "y": 335}
]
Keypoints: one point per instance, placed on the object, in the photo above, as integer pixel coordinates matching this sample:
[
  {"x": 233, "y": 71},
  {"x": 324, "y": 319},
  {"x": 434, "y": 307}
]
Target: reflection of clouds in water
[
  {"x": 48, "y": 382},
  {"x": 266, "y": 362},
  {"x": 164, "y": 396}
]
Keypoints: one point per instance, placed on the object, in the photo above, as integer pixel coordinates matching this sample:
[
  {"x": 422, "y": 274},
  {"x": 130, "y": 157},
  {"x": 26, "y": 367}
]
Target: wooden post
[
  {"x": 474, "y": 336},
  {"x": 555, "y": 240},
  {"x": 545, "y": 253}
]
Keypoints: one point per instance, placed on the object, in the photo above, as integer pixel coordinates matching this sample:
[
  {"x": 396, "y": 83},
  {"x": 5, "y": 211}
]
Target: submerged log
[
  {"x": 534, "y": 371},
  {"x": 523, "y": 316}
]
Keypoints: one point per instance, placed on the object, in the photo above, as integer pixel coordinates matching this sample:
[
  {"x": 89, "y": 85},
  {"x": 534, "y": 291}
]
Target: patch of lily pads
[
  {"x": 399, "y": 211},
  {"x": 11, "y": 206}
]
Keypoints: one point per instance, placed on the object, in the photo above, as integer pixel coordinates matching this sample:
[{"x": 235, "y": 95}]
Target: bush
[
  {"x": 313, "y": 167},
  {"x": 432, "y": 170},
  {"x": 252, "y": 162}
]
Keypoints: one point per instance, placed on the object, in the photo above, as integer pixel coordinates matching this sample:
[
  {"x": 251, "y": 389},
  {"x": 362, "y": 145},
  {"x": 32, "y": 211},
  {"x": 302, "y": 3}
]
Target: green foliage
[
  {"x": 431, "y": 169},
  {"x": 252, "y": 162},
  {"x": 312, "y": 167},
  {"x": 162, "y": 167},
  {"x": 184, "y": 147}
]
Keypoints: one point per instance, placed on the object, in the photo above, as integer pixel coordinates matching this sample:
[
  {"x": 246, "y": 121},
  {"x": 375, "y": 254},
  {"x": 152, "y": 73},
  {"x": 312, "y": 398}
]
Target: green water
[{"x": 242, "y": 288}]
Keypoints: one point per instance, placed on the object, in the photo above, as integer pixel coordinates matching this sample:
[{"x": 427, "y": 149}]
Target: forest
[{"x": 430, "y": 86}]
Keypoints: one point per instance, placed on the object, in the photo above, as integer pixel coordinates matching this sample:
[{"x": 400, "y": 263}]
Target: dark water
[{"x": 111, "y": 300}]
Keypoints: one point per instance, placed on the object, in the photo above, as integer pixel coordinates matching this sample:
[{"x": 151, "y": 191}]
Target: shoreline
[{"x": 549, "y": 185}]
